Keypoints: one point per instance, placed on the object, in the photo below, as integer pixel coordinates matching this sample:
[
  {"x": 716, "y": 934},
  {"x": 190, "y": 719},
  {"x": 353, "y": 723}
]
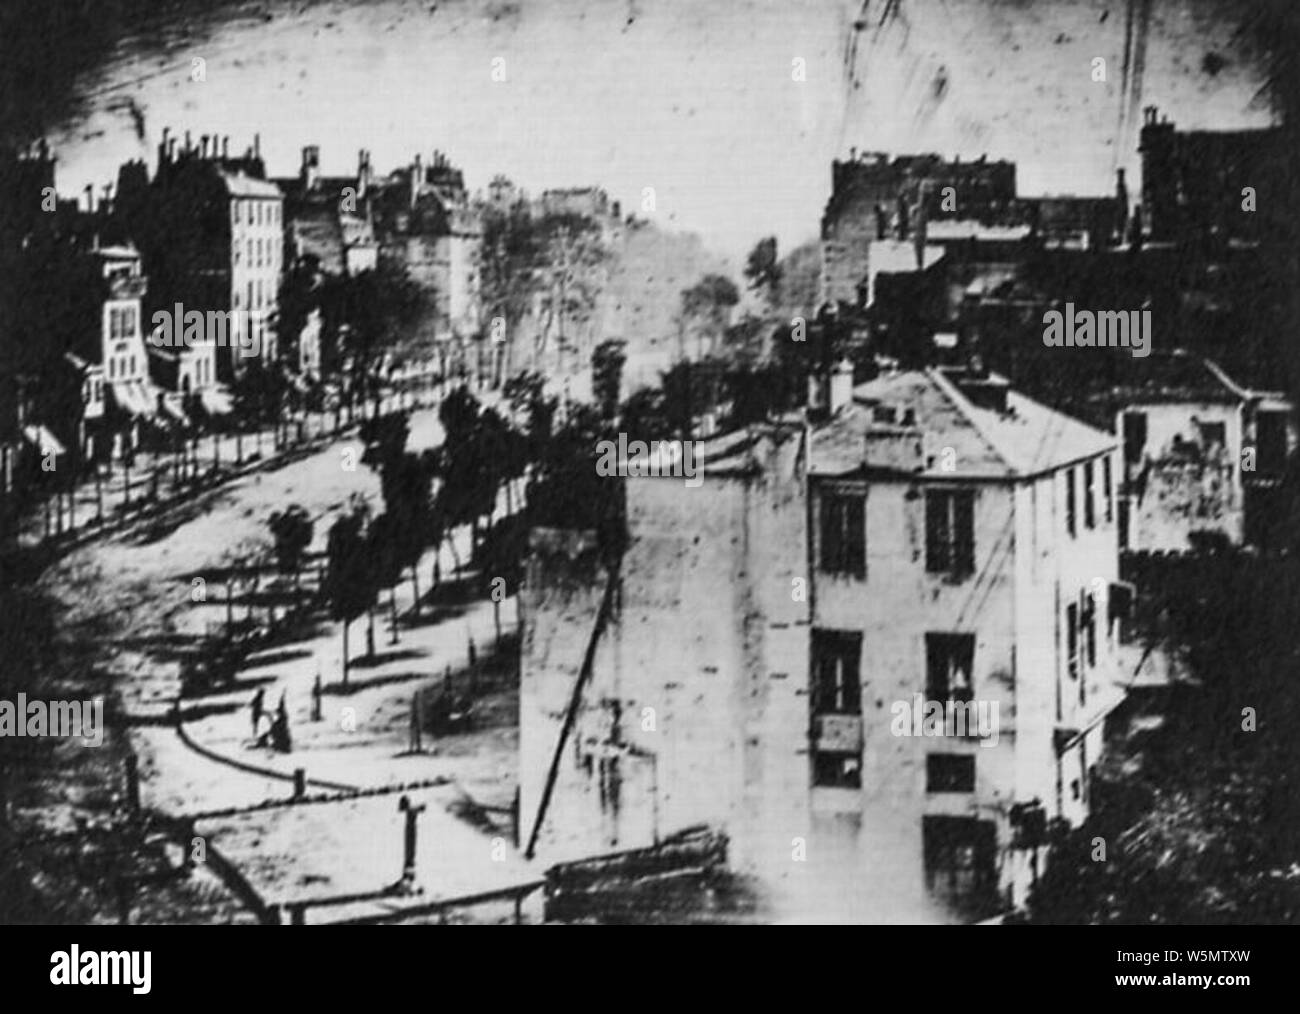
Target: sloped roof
[
  {"x": 240, "y": 184},
  {"x": 1025, "y": 440},
  {"x": 1176, "y": 376}
]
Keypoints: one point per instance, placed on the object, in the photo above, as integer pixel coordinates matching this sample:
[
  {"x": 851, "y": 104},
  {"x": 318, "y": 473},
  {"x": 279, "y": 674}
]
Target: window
[
  {"x": 1089, "y": 505},
  {"x": 949, "y": 772},
  {"x": 1134, "y": 425},
  {"x": 1213, "y": 434},
  {"x": 836, "y": 685},
  {"x": 1089, "y": 632},
  {"x": 1270, "y": 442},
  {"x": 234, "y": 211},
  {"x": 843, "y": 534},
  {"x": 950, "y": 532},
  {"x": 1071, "y": 521},
  {"x": 121, "y": 322},
  {"x": 837, "y": 770},
  {"x": 949, "y": 664},
  {"x": 960, "y": 856},
  {"x": 1106, "y": 489},
  {"x": 836, "y": 706},
  {"x": 1072, "y": 640}
]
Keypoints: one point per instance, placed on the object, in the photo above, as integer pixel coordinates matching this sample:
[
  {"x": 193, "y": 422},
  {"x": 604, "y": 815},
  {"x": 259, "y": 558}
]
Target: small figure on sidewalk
[
  {"x": 256, "y": 706},
  {"x": 280, "y": 739}
]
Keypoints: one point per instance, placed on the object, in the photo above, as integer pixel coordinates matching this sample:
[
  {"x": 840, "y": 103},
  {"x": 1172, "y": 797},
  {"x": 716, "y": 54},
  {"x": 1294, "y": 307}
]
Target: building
[
  {"x": 874, "y": 198},
  {"x": 1203, "y": 456},
  {"x": 211, "y": 229},
  {"x": 120, "y": 401},
  {"x": 327, "y": 218},
  {"x": 927, "y": 536},
  {"x": 424, "y": 221},
  {"x": 1194, "y": 182}
]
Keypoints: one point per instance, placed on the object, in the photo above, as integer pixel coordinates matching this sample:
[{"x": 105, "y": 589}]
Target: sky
[{"x": 731, "y": 112}]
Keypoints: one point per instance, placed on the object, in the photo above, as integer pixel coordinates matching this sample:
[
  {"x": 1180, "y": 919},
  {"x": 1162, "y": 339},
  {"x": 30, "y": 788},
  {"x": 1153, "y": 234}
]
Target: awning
[
  {"x": 132, "y": 397},
  {"x": 174, "y": 412},
  {"x": 215, "y": 402},
  {"x": 44, "y": 440}
]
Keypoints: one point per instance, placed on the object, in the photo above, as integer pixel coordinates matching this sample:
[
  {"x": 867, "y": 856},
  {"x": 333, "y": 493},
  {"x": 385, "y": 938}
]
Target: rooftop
[
  {"x": 1026, "y": 439},
  {"x": 1177, "y": 376}
]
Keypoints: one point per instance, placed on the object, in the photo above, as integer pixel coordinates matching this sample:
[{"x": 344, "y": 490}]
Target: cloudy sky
[{"x": 696, "y": 99}]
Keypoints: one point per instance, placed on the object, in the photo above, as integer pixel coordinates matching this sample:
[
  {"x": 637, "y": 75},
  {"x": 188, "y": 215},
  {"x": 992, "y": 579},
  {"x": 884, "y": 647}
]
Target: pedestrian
[{"x": 259, "y": 699}]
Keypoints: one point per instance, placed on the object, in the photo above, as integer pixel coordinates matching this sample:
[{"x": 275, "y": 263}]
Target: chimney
[
  {"x": 90, "y": 198},
  {"x": 830, "y": 391},
  {"x": 188, "y": 145},
  {"x": 257, "y": 146},
  {"x": 309, "y": 172},
  {"x": 417, "y": 177},
  {"x": 203, "y": 145},
  {"x": 841, "y": 385},
  {"x": 980, "y": 388},
  {"x": 225, "y": 146},
  {"x": 363, "y": 172},
  {"x": 171, "y": 150}
]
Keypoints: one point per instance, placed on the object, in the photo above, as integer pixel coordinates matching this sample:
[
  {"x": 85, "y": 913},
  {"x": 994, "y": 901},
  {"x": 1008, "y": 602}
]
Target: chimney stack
[
  {"x": 188, "y": 145},
  {"x": 363, "y": 172},
  {"x": 225, "y": 146},
  {"x": 257, "y": 146},
  {"x": 309, "y": 173},
  {"x": 417, "y": 177},
  {"x": 90, "y": 198},
  {"x": 203, "y": 145}
]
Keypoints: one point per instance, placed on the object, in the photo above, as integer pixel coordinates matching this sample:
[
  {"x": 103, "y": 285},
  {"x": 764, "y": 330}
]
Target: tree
[
  {"x": 607, "y": 374},
  {"x": 566, "y": 489},
  {"x": 706, "y": 307},
  {"x": 368, "y": 318},
  {"x": 1203, "y": 825},
  {"x": 348, "y": 576},
  {"x": 405, "y": 482},
  {"x": 762, "y": 270},
  {"x": 383, "y": 538},
  {"x": 508, "y": 274},
  {"x": 291, "y": 530},
  {"x": 567, "y": 276}
]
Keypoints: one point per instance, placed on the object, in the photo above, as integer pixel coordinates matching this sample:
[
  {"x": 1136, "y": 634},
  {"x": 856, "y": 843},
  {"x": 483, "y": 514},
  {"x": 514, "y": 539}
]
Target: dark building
[{"x": 1194, "y": 182}]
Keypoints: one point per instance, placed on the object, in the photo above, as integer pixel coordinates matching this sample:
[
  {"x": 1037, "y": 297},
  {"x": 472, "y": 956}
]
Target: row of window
[
  {"x": 949, "y": 533},
  {"x": 259, "y": 298},
  {"x": 122, "y": 322},
  {"x": 259, "y": 253},
  {"x": 837, "y": 662},
  {"x": 121, "y": 367},
  {"x": 1270, "y": 438},
  {"x": 1089, "y": 482},
  {"x": 255, "y": 212}
]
